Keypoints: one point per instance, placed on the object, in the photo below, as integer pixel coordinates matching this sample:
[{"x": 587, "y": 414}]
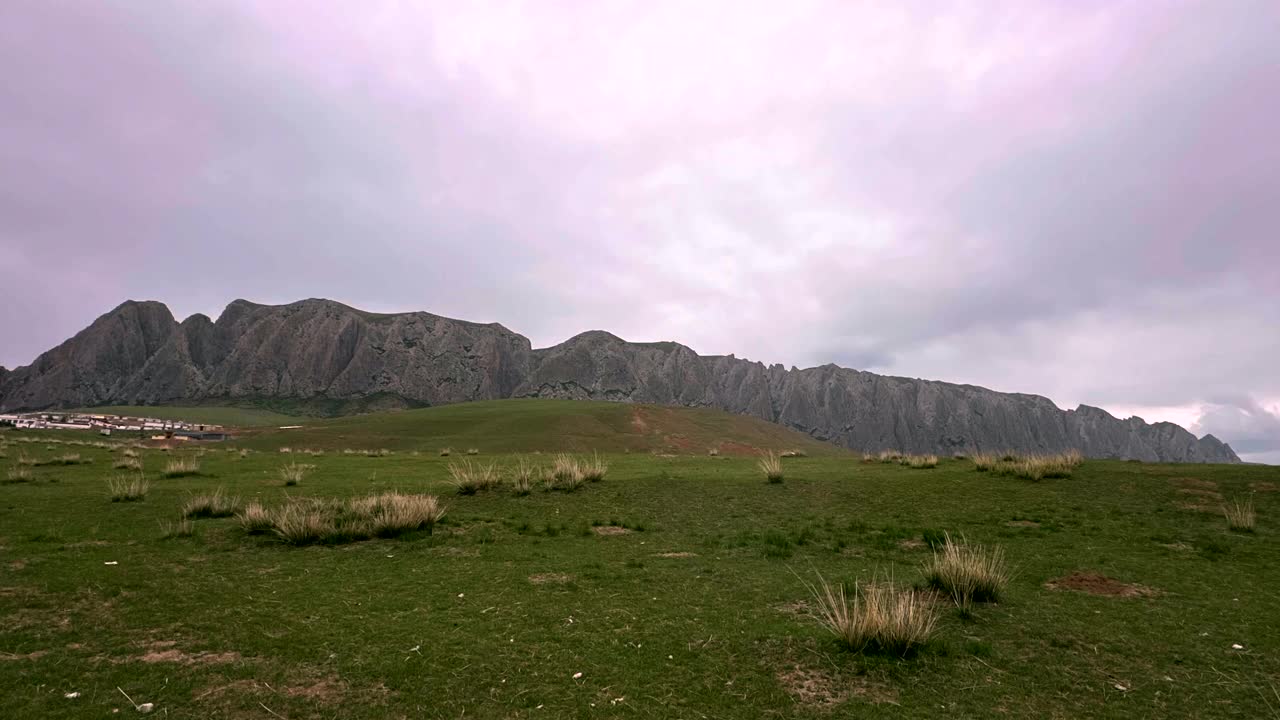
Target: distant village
[{"x": 153, "y": 428}]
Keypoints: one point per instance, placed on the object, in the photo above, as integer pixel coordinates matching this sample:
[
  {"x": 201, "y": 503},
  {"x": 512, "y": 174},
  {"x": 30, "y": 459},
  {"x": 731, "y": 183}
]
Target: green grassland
[
  {"x": 690, "y": 607},
  {"x": 547, "y": 425},
  {"x": 215, "y": 414}
]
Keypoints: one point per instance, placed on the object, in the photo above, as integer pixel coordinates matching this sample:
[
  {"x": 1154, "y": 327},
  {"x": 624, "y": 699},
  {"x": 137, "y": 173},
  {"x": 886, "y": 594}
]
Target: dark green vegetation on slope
[{"x": 695, "y": 612}]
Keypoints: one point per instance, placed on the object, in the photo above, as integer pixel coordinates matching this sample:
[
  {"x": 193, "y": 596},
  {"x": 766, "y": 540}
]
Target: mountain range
[{"x": 324, "y": 357}]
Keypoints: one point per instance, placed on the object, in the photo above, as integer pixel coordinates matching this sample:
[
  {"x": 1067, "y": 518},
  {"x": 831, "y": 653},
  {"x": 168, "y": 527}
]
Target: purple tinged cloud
[{"x": 1079, "y": 200}]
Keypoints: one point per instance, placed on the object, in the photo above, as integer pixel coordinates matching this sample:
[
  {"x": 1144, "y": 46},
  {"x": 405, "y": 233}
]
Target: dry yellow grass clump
[
  {"x": 1240, "y": 515},
  {"x": 128, "y": 463},
  {"x": 920, "y": 462},
  {"x": 594, "y": 469},
  {"x": 522, "y": 476},
  {"x": 181, "y": 467},
  {"x": 470, "y": 478},
  {"x": 888, "y": 456},
  {"x": 967, "y": 573},
  {"x": 566, "y": 473},
  {"x": 127, "y": 489},
  {"x": 19, "y": 474},
  {"x": 304, "y": 522},
  {"x": 216, "y": 505},
  {"x": 771, "y": 465},
  {"x": 293, "y": 473},
  {"x": 878, "y": 616}
]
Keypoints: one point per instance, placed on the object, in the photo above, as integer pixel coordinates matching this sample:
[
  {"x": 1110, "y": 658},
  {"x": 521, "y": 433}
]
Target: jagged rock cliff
[{"x": 323, "y": 352}]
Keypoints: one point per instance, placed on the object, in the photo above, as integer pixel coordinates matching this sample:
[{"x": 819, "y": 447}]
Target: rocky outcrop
[{"x": 323, "y": 352}]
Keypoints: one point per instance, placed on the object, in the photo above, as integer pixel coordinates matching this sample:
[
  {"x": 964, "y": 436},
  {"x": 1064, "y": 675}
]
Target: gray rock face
[{"x": 319, "y": 350}]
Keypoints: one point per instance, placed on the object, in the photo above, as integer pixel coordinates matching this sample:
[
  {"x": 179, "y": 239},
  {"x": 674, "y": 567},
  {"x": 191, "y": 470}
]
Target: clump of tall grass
[
  {"x": 255, "y": 519},
  {"x": 387, "y": 515},
  {"x": 888, "y": 456},
  {"x": 19, "y": 474},
  {"x": 181, "y": 467},
  {"x": 445, "y": 452},
  {"x": 66, "y": 459},
  {"x": 127, "y": 489},
  {"x": 127, "y": 463},
  {"x": 473, "y": 451},
  {"x": 792, "y": 453},
  {"x": 522, "y": 476},
  {"x": 26, "y": 460},
  {"x": 771, "y": 465},
  {"x": 594, "y": 469},
  {"x": 1240, "y": 515},
  {"x": 286, "y": 450},
  {"x": 244, "y": 453},
  {"x": 216, "y": 505},
  {"x": 982, "y": 462},
  {"x": 177, "y": 529},
  {"x": 380, "y": 452},
  {"x": 967, "y": 573},
  {"x": 713, "y": 451},
  {"x": 470, "y": 478},
  {"x": 920, "y": 462},
  {"x": 877, "y": 617},
  {"x": 294, "y": 473},
  {"x": 567, "y": 473},
  {"x": 1038, "y": 467},
  {"x": 130, "y": 453}
]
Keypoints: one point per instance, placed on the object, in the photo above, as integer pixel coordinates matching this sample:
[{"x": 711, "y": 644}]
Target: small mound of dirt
[
  {"x": 326, "y": 690},
  {"x": 1095, "y": 583},
  {"x": 610, "y": 530},
  {"x": 550, "y": 578}
]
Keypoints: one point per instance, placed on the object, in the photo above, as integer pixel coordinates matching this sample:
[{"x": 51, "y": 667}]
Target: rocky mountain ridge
[{"x": 329, "y": 355}]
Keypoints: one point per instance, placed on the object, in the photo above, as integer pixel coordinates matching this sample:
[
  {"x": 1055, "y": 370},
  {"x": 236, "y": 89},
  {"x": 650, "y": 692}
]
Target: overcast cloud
[{"x": 1075, "y": 199}]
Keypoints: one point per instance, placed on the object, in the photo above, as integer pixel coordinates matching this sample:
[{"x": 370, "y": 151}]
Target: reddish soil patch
[
  {"x": 1095, "y": 583},
  {"x": 610, "y": 530},
  {"x": 737, "y": 448},
  {"x": 638, "y": 421}
]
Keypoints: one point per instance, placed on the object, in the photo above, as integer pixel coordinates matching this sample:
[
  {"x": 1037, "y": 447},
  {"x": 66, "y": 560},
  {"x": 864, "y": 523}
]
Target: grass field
[
  {"x": 216, "y": 414},
  {"x": 669, "y": 589}
]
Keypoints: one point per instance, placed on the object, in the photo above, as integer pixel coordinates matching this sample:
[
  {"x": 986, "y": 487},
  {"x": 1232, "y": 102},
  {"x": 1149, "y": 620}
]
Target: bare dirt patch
[
  {"x": 819, "y": 688},
  {"x": 610, "y": 530},
  {"x": 795, "y": 608},
  {"x": 911, "y": 544},
  {"x": 239, "y": 687},
  {"x": 1179, "y": 546},
  {"x": 1190, "y": 482},
  {"x": 164, "y": 651},
  {"x": 1200, "y": 492},
  {"x": 327, "y": 690},
  {"x": 1264, "y": 486},
  {"x": 1023, "y": 523},
  {"x": 34, "y": 655},
  {"x": 1199, "y": 506},
  {"x": 1095, "y": 583},
  {"x": 677, "y": 555},
  {"x": 18, "y": 565},
  {"x": 550, "y": 578}
]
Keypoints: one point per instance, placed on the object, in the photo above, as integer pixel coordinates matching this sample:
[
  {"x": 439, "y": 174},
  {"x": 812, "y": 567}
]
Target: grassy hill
[
  {"x": 216, "y": 414},
  {"x": 546, "y": 425}
]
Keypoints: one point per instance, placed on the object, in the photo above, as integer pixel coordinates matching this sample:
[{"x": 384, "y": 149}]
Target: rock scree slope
[{"x": 332, "y": 358}]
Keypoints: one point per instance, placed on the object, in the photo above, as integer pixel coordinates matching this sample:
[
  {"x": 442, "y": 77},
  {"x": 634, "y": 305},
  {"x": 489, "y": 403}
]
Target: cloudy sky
[{"x": 1077, "y": 199}]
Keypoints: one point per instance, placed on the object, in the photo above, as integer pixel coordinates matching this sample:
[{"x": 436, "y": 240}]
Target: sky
[{"x": 1078, "y": 199}]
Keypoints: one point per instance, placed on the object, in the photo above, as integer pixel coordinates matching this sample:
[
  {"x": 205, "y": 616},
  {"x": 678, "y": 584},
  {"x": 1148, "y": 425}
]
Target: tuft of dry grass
[
  {"x": 19, "y": 474},
  {"x": 473, "y": 451},
  {"x": 304, "y": 522},
  {"x": 177, "y": 529},
  {"x": 128, "y": 463},
  {"x": 594, "y": 469},
  {"x": 255, "y": 519},
  {"x": 127, "y": 489},
  {"x": 286, "y": 450},
  {"x": 920, "y": 462},
  {"x": 771, "y": 465},
  {"x": 65, "y": 459},
  {"x": 567, "y": 473},
  {"x": 26, "y": 460},
  {"x": 1240, "y": 514},
  {"x": 470, "y": 478},
  {"x": 522, "y": 476},
  {"x": 877, "y": 617},
  {"x": 888, "y": 456},
  {"x": 982, "y": 462},
  {"x": 216, "y": 505},
  {"x": 294, "y": 473},
  {"x": 181, "y": 467},
  {"x": 713, "y": 452},
  {"x": 130, "y": 453},
  {"x": 445, "y": 452},
  {"x": 967, "y": 573}
]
